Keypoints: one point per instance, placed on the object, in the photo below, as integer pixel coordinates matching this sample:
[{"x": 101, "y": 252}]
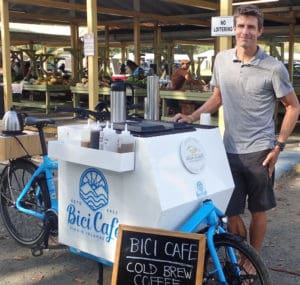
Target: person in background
[
  {"x": 123, "y": 68},
  {"x": 179, "y": 77},
  {"x": 247, "y": 82},
  {"x": 182, "y": 75},
  {"x": 136, "y": 71}
]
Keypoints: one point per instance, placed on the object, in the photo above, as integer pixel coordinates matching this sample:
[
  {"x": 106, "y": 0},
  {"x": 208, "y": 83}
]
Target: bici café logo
[{"x": 97, "y": 222}]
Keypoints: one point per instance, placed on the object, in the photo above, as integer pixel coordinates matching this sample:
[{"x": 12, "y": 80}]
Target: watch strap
[{"x": 280, "y": 144}]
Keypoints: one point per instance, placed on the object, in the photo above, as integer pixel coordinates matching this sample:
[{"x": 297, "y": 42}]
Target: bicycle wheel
[
  {"x": 249, "y": 269},
  {"x": 25, "y": 229}
]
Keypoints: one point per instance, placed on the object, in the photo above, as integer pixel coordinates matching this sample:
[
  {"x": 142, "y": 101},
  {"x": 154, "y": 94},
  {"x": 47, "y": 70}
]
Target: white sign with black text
[
  {"x": 89, "y": 44},
  {"x": 222, "y": 26}
]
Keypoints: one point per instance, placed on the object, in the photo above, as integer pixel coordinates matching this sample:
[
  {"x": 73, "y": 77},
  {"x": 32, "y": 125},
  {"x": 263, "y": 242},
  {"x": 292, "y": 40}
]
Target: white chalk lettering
[
  {"x": 153, "y": 280},
  {"x": 148, "y": 269},
  {"x": 143, "y": 246},
  {"x": 184, "y": 251}
]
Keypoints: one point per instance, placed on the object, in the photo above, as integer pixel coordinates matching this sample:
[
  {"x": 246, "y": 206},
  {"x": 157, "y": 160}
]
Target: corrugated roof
[{"x": 186, "y": 21}]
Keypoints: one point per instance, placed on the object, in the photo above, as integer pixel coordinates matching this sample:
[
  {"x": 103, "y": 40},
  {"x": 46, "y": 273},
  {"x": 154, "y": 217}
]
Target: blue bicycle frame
[
  {"x": 46, "y": 167},
  {"x": 210, "y": 216}
]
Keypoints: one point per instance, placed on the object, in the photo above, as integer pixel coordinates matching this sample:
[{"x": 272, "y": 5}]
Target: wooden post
[
  {"x": 74, "y": 57},
  {"x": 291, "y": 45},
  {"x": 5, "y": 40},
  {"x": 93, "y": 60},
  {"x": 223, "y": 44}
]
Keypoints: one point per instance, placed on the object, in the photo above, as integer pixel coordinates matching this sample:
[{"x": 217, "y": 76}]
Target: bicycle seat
[{"x": 33, "y": 121}]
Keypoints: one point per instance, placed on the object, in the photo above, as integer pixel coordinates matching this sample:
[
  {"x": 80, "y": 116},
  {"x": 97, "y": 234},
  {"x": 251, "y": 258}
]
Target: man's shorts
[{"x": 252, "y": 183}]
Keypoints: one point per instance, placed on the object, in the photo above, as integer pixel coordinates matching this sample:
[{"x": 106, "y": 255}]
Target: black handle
[{"x": 84, "y": 113}]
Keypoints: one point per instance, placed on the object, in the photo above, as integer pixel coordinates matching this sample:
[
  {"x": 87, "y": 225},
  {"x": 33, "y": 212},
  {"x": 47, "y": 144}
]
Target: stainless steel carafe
[
  {"x": 12, "y": 123},
  {"x": 118, "y": 101}
]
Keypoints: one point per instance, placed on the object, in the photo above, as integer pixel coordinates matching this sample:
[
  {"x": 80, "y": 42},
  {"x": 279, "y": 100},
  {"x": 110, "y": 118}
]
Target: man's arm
[
  {"x": 210, "y": 106},
  {"x": 292, "y": 111}
]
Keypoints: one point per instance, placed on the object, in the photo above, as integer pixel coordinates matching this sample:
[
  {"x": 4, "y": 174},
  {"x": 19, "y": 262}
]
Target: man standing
[{"x": 247, "y": 82}]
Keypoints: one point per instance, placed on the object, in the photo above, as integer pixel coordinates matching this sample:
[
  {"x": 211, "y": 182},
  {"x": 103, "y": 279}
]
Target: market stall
[
  {"x": 195, "y": 96},
  {"x": 103, "y": 92},
  {"x": 48, "y": 91}
]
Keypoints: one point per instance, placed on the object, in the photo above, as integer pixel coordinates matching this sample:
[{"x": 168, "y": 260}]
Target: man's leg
[
  {"x": 257, "y": 230},
  {"x": 236, "y": 226}
]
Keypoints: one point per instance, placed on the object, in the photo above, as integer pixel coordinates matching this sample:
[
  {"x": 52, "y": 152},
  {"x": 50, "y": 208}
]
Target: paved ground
[{"x": 281, "y": 249}]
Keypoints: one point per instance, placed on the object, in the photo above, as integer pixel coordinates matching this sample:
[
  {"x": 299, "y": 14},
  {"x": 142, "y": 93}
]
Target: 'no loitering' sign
[{"x": 222, "y": 26}]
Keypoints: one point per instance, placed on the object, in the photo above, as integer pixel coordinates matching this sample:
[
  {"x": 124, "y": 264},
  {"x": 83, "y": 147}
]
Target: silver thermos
[
  {"x": 118, "y": 101},
  {"x": 152, "y": 100}
]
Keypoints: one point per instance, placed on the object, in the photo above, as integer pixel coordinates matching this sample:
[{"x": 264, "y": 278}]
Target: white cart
[{"x": 159, "y": 185}]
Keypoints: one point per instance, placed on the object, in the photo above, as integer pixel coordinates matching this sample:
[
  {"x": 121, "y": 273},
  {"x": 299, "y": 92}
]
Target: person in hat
[{"x": 136, "y": 71}]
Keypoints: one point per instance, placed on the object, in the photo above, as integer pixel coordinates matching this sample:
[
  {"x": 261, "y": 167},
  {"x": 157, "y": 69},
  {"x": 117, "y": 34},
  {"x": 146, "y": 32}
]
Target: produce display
[{"x": 142, "y": 83}]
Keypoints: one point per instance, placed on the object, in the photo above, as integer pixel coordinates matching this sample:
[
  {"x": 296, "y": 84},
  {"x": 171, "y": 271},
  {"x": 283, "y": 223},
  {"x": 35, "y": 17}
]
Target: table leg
[{"x": 47, "y": 102}]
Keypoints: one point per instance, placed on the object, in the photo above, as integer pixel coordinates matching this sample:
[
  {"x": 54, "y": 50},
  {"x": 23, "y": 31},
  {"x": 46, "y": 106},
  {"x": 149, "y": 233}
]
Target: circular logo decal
[
  {"x": 93, "y": 189},
  {"x": 192, "y": 155}
]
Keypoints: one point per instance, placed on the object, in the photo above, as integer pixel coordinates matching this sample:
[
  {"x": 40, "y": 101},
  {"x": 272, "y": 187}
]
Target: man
[
  {"x": 247, "y": 82},
  {"x": 180, "y": 76}
]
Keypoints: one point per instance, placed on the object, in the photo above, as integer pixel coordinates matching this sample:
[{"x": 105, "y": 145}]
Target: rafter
[
  {"x": 116, "y": 12},
  {"x": 197, "y": 3}
]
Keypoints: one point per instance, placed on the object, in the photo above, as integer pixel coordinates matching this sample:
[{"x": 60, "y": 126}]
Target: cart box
[
  {"x": 160, "y": 185},
  {"x": 11, "y": 146}
]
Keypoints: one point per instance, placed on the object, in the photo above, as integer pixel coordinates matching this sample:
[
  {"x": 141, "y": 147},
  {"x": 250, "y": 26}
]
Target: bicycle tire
[
  {"x": 26, "y": 229},
  {"x": 236, "y": 274}
]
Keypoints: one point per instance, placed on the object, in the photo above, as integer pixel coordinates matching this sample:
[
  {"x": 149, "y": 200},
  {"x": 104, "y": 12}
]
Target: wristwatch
[{"x": 280, "y": 144}]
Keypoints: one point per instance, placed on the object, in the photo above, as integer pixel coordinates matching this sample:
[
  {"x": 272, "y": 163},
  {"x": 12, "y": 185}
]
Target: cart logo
[
  {"x": 192, "y": 155},
  {"x": 201, "y": 191},
  {"x": 93, "y": 189}
]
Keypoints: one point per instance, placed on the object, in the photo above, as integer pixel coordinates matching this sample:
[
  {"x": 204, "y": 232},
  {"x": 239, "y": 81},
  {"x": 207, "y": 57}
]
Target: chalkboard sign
[{"x": 158, "y": 257}]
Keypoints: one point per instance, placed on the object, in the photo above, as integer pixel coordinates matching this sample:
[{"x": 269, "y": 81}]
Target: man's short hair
[
  {"x": 249, "y": 10},
  {"x": 185, "y": 61}
]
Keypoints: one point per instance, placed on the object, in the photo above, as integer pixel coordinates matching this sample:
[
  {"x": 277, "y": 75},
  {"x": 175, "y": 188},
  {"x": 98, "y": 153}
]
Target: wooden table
[
  {"x": 103, "y": 93},
  {"x": 181, "y": 95},
  {"x": 49, "y": 90}
]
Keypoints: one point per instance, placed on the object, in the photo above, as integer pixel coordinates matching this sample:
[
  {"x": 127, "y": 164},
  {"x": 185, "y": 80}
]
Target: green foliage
[{"x": 142, "y": 83}]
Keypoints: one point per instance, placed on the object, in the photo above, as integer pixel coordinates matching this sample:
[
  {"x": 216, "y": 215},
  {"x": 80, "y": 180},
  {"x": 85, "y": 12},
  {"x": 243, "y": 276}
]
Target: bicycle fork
[{"x": 209, "y": 213}]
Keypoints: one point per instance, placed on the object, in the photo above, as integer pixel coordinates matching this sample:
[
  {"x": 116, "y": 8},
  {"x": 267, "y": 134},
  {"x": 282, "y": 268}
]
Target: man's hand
[
  {"x": 181, "y": 118},
  {"x": 271, "y": 160}
]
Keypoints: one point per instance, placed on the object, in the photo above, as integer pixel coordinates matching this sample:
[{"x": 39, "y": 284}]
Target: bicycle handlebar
[{"x": 84, "y": 113}]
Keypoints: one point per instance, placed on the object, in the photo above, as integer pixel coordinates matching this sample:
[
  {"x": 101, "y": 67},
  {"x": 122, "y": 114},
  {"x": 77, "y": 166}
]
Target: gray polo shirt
[{"x": 248, "y": 94}]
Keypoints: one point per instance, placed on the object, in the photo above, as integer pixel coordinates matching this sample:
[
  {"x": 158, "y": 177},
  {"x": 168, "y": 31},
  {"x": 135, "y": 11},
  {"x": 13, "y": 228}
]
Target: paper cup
[{"x": 205, "y": 119}]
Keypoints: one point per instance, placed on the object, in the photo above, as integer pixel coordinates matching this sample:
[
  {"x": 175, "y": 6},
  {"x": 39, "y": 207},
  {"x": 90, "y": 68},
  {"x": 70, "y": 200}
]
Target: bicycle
[
  {"x": 28, "y": 207},
  {"x": 28, "y": 199},
  {"x": 28, "y": 195}
]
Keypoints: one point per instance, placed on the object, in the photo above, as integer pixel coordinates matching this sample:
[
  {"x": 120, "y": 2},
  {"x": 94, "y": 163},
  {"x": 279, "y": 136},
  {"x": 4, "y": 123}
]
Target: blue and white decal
[
  {"x": 88, "y": 212},
  {"x": 93, "y": 189}
]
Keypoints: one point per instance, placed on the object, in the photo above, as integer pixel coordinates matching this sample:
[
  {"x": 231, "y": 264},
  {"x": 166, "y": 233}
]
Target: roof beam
[
  {"x": 38, "y": 18},
  {"x": 116, "y": 12},
  {"x": 280, "y": 19},
  {"x": 197, "y": 3}
]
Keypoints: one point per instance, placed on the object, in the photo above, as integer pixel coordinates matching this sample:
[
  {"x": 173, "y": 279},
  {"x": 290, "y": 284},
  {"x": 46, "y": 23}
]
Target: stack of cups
[{"x": 205, "y": 119}]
